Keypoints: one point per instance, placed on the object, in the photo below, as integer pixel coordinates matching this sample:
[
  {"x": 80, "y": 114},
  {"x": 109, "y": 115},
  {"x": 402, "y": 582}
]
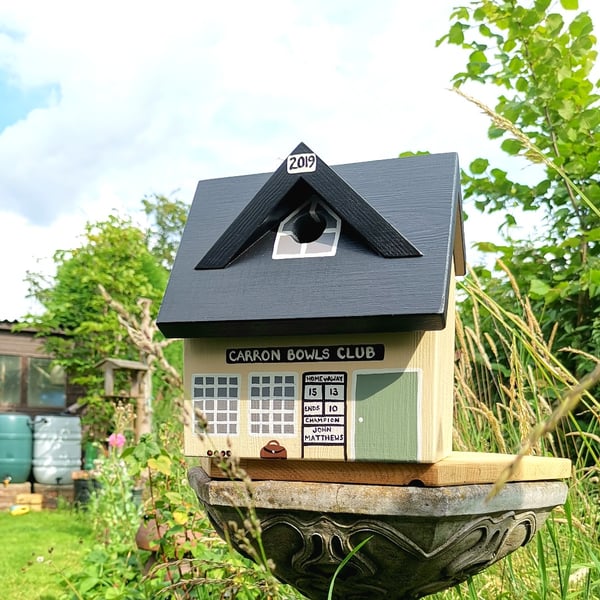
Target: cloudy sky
[{"x": 103, "y": 103}]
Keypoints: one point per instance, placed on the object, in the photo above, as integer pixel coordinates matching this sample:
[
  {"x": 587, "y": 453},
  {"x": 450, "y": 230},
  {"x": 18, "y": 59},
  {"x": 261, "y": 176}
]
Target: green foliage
[
  {"x": 192, "y": 560},
  {"x": 188, "y": 560},
  {"x": 499, "y": 408},
  {"x": 510, "y": 380},
  {"x": 113, "y": 568},
  {"x": 109, "y": 572},
  {"x": 113, "y": 507},
  {"x": 541, "y": 63},
  {"x": 97, "y": 418},
  {"x": 409, "y": 153},
  {"x": 114, "y": 255},
  {"x": 169, "y": 217},
  {"x": 79, "y": 326}
]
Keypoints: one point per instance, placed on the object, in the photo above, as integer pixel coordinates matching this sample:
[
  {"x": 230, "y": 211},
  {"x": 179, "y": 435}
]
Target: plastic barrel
[
  {"x": 56, "y": 449},
  {"x": 15, "y": 447}
]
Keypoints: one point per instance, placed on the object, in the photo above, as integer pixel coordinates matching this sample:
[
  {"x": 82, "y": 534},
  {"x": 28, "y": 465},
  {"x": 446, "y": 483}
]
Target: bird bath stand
[{"x": 422, "y": 539}]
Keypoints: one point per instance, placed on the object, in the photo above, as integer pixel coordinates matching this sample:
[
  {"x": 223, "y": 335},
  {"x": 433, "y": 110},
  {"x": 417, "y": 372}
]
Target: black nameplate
[{"x": 292, "y": 354}]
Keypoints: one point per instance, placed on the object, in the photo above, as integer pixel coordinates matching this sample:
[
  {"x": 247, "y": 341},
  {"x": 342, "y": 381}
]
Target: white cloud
[{"x": 152, "y": 96}]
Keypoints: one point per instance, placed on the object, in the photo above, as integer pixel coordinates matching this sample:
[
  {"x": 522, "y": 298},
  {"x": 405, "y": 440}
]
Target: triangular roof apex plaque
[{"x": 303, "y": 165}]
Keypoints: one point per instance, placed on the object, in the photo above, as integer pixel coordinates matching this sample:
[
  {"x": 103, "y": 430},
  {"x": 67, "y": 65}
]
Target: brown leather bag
[{"x": 273, "y": 450}]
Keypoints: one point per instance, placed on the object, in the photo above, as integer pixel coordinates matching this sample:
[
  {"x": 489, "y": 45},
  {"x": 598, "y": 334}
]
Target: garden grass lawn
[{"x": 35, "y": 547}]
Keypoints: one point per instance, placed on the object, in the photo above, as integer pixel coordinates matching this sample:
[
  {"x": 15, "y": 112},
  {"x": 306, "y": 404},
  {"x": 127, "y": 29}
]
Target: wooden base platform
[{"x": 460, "y": 468}]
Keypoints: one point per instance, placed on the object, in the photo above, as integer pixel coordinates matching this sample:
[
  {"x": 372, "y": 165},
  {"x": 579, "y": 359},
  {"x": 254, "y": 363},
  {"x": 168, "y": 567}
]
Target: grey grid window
[
  {"x": 273, "y": 404},
  {"x": 217, "y": 398}
]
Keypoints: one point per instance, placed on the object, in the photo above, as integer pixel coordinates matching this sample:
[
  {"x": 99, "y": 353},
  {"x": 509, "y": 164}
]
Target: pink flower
[{"x": 116, "y": 440}]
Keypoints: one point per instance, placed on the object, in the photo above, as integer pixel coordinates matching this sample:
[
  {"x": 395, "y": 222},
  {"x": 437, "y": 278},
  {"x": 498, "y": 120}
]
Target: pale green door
[{"x": 386, "y": 416}]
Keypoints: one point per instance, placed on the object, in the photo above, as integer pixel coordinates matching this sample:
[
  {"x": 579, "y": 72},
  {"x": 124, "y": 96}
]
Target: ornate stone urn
[{"x": 422, "y": 539}]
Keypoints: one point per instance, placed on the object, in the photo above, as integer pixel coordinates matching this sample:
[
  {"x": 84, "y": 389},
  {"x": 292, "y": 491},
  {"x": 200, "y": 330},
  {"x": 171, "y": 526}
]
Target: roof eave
[{"x": 312, "y": 326}]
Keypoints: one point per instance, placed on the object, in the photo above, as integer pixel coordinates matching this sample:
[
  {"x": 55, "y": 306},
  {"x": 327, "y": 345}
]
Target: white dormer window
[{"x": 311, "y": 231}]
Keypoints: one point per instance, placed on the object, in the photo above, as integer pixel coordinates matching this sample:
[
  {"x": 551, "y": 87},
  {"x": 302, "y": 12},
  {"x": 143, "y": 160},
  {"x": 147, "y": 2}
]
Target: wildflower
[{"x": 116, "y": 440}]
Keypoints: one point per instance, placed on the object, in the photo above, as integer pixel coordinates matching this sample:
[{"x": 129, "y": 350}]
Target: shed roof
[
  {"x": 120, "y": 363},
  {"x": 6, "y": 325},
  {"x": 401, "y": 233}
]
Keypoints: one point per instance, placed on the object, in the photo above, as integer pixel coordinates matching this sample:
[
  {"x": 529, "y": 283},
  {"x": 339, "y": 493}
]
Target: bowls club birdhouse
[{"x": 316, "y": 305}]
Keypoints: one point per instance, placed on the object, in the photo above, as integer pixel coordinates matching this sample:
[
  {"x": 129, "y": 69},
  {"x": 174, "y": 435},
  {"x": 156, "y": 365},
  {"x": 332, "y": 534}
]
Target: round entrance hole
[{"x": 307, "y": 227}]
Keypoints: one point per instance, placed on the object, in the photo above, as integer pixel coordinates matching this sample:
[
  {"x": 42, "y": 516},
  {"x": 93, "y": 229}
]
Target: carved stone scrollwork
[{"x": 412, "y": 552}]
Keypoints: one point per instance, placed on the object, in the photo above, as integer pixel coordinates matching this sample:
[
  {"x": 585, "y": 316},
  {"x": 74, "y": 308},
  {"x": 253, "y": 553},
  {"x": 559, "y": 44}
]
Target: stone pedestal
[{"x": 423, "y": 539}]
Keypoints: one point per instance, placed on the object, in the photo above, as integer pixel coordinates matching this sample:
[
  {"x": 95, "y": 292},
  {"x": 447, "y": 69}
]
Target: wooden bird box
[{"x": 317, "y": 308}]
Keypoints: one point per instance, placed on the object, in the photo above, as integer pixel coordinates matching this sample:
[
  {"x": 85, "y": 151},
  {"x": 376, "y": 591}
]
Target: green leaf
[
  {"x": 554, "y": 23},
  {"x": 479, "y": 165},
  {"x": 570, "y": 4},
  {"x": 522, "y": 84},
  {"x": 567, "y": 110},
  {"x": 538, "y": 288},
  {"x": 595, "y": 276},
  {"x": 552, "y": 296},
  {"x": 460, "y": 12},
  {"x": 516, "y": 64},
  {"x": 499, "y": 175},
  {"x": 542, "y": 187},
  {"x": 530, "y": 18},
  {"x": 495, "y": 132},
  {"x": 593, "y": 235},
  {"x": 161, "y": 464},
  {"x": 478, "y": 62},
  {"x": 408, "y": 153},
  {"x": 488, "y": 247},
  {"x": 581, "y": 25},
  {"x": 456, "y": 35},
  {"x": 343, "y": 564},
  {"x": 485, "y": 31},
  {"x": 87, "y": 584},
  {"x": 441, "y": 40},
  {"x": 174, "y": 497},
  {"x": 511, "y": 146}
]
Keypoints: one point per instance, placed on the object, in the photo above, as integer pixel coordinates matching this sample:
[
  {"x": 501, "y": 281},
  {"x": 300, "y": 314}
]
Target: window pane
[
  {"x": 323, "y": 245},
  {"x": 46, "y": 384},
  {"x": 10, "y": 379},
  {"x": 289, "y": 239},
  {"x": 272, "y": 403},
  {"x": 217, "y": 401}
]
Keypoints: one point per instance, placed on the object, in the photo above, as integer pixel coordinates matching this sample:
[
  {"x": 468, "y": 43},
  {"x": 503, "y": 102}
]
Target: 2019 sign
[{"x": 301, "y": 163}]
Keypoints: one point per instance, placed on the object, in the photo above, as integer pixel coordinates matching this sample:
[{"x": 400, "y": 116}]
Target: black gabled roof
[
  {"x": 265, "y": 210},
  {"x": 225, "y": 283}
]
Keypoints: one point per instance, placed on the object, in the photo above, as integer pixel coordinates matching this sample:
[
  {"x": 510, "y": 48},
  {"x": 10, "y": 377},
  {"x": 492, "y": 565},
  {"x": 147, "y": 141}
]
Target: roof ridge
[{"x": 303, "y": 166}]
